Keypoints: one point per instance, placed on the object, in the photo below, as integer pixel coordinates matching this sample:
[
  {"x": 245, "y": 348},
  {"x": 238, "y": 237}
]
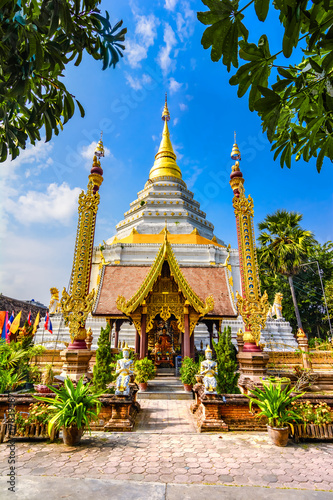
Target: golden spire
[
  {"x": 99, "y": 151},
  {"x": 165, "y": 159}
]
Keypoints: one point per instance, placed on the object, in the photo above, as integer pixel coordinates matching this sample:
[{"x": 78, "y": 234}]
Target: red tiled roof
[{"x": 125, "y": 280}]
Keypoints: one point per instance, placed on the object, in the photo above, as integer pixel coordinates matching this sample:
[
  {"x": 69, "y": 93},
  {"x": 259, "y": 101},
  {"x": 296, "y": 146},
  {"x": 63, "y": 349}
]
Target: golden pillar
[
  {"x": 78, "y": 302},
  {"x": 252, "y": 306}
]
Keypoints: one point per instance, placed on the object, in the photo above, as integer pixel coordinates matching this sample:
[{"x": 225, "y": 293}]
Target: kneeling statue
[
  {"x": 124, "y": 372},
  {"x": 208, "y": 370}
]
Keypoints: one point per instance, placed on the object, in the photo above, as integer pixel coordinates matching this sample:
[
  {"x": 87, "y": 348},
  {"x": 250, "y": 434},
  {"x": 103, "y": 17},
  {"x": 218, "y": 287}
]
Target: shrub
[
  {"x": 102, "y": 369},
  {"x": 227, "y": 378},
  {"x": 144, "y": 370},
  {"x": 188, "y": 370}
]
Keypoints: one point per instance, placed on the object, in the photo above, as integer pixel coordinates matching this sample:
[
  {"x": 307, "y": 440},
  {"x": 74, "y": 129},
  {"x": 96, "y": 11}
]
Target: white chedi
[
  {"x": 208, "y": 371},
  {"x": 124, "y": 372}
]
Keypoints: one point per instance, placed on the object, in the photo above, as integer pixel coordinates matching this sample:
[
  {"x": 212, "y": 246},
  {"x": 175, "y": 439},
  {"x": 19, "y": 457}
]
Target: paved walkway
[
  {"x": 165, "y": 416},
  {"x": 169, "y": 451}
]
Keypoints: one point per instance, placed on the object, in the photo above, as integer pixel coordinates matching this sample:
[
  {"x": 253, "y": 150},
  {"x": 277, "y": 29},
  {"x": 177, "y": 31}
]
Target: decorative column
[
  {"x": 137, "y": 342},
  {"x": 251, "y": 305},
  {"x": 240, "y": 341},
  {"x": 192, "y": 350},
  {"x": 186, "y": 336},
  {"x": 116, "y": 333},
  {"x": 78, "y": 303},
  {"x": 143, "y": 340},
  {"x": 304, "y": 348}
]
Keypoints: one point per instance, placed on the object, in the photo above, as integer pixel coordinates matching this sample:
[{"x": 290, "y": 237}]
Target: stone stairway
[{"x": 165, "y": 386}]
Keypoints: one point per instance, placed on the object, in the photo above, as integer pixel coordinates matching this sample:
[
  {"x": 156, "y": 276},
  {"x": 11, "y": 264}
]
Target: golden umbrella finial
[
  {"x": 165, "y": 113},
  {"x": 235, "y": 153},
  {"x": 99, "y": 151}
]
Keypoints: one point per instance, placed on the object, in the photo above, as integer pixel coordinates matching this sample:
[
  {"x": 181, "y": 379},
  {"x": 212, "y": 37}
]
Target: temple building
[{"x": 165, "y": 274}]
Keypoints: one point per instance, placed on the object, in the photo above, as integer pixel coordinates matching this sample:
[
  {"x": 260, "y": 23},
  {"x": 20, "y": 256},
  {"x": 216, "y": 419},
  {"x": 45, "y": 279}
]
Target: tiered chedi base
[{"x": 277, "y": 335}]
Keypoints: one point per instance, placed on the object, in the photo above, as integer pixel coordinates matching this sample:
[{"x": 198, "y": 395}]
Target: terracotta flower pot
[
  {"x": 42, "y": 389},
  {"x": 279, "y": 436},
  {"x": 72, "y": 435},
  {"x": 143, "y": 386},
  {"x": 188, "y": 387}
]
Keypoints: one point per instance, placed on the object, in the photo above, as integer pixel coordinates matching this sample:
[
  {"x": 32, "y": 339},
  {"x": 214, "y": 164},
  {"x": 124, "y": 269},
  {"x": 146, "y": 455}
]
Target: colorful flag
[
  {"x": 29, "y": 318},
  {"x": 9, "y": 324},
  {"x": 36, "y": 323},
  {"x": 16, "y": 323},
  {"x": 3, "y": 323},
  {"x": 48, "y": 324}
]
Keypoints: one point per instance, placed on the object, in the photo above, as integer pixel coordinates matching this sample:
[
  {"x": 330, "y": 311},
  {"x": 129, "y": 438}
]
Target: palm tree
[{"x": 284, "y": 247}]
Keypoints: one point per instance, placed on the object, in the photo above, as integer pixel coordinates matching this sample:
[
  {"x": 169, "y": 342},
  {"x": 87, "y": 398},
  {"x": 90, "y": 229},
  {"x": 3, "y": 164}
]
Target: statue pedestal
[
  {"x": 207, "y": 409},
  {"x": 252, "y": 366},
  {"x": 123, "y": 411},
  {"x": 75, "y": 363}
]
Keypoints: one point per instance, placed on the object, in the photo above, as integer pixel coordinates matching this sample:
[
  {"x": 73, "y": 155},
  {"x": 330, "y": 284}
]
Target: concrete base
[{"x": 75, "y": 363}]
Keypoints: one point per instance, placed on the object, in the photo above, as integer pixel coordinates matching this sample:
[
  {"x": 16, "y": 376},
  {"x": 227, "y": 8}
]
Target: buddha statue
[
  {"x": 124, "y": 372},
  {"x": 163, "y": 349},
  {"x": 208, "y": 371}
]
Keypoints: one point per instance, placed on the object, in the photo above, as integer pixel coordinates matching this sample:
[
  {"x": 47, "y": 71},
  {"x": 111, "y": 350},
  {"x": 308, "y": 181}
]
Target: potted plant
[
  {"x": 144, "y": 370},
  {"x": 275, "y": 404},
  {"x": 283, "y": 382},
  {"x": 47, "y": 380},
  {"x": 188, "y": 371},
  {"x": 73, "y": 408}
]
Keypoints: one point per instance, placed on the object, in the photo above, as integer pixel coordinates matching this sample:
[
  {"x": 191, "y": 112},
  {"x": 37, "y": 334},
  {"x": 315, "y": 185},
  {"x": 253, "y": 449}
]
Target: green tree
[
  {"x": 329, "y": 296},
  {"x": 38, "y": 39},
  {"x": 294, "y": 101},
  {"x": 285, "y": 246},
  {"x": 227, "y": 377},
  {"x": 308, "y": 291},
  {"x": 102, "y": 369}
]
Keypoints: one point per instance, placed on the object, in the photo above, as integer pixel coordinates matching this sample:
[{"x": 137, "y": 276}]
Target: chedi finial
[{"x": 165, "y": 113}]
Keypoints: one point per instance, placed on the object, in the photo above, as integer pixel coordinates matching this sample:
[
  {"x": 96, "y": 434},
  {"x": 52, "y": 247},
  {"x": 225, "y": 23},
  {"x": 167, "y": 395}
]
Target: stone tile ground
[{"x": 165, "y": 448}]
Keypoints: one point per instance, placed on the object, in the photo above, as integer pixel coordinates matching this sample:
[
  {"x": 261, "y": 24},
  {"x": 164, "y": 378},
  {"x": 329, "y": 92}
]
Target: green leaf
[
  {"x": 82, "y": 112},
  {"x": 261, "y": 8}
]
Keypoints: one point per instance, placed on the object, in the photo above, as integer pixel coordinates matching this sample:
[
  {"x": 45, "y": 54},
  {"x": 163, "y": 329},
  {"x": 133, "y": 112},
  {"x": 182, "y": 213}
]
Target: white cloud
[
  {"x": 58, "y": 204},
  {"x": 34, "y": 159},
  {"x": 146, "y": 28},
  {"x": 185, "y": 22},
  {"x": 164, "y": 60},
  {"x": 174, "y": 86},
  {"x": 183, "y": 107},
  {"x": 175, "y": 121},
  {"x": 191, "y": 180},
  {"x": 145, "y": 34},
  {"x": 137, "y": 83},
  {"x": 170, "y": 4},
  {"x": 45, "y": 261},
  {"x": 135, "y": 53}
]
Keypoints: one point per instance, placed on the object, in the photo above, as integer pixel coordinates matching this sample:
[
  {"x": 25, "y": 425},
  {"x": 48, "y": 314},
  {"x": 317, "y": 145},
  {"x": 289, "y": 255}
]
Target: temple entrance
[{"x": 164, "y": 342}]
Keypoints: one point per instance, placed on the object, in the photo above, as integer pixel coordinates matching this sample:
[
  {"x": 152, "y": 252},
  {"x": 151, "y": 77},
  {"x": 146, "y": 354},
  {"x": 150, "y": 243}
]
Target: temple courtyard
[{"x": 165, "y": 458}]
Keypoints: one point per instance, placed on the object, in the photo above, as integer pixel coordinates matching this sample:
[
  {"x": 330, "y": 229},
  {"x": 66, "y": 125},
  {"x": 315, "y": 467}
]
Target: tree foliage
[
  {"x": 306, "y": 281},
  {"x": 227, "y": 377},
  {"x": 38, "y": 39},
  {"x": 297, "y": 109},
  {"x": 102, "y": 368}
]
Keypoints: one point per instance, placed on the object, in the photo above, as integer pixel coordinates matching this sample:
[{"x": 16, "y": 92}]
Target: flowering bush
[
  {"x": 313, "y": 413},
  {"x": 38, "y": 414}
]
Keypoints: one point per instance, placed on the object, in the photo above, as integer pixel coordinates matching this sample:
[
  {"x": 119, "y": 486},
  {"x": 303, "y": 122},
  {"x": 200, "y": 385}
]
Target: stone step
[{"x": 165, "y": 395}]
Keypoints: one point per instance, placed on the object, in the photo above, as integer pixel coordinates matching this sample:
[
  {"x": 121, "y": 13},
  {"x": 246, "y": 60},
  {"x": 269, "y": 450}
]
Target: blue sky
[{"x": 164, "y": 53}]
